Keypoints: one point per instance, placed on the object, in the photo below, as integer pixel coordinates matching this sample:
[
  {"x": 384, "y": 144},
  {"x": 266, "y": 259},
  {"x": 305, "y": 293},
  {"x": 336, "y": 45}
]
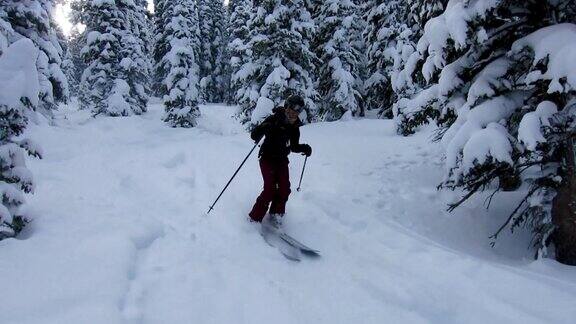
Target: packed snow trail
[{"x": 120, "y": 233}]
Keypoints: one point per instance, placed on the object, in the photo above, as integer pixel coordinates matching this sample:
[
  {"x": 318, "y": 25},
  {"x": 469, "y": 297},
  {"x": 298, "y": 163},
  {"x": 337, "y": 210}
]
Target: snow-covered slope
[{"x": 120, "y": 233}]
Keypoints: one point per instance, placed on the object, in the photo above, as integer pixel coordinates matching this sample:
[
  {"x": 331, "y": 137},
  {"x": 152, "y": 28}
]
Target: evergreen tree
[
  {"x": 176, "y": 53},
  {"x": 69, "y": 70},
  {"x": 406, "y": 79},
  {"x": 136, "y": 60},
  {"x": 32, "y": 19},
  {"x": 64, "y": 66},
  {"x": 503, "y": 90},
  {"x": 280, "y": 61},
  {"x": 31, "y": 79},
  {"x": 20, "y": 95},
  {"x": 157, "y": 28},
  {"x": 232, "y": 6},
  {"x": 393, "y": 29},
  {"x": 226, "y": 93},
  {"x": 206, "y": 62},
  {"x": 379, "y": 36},
  {"x": 213, "y": 68},
  {"x": 145, "y": 28},
  {"x": 114, "y": 82},
  {"x": 339, "y": 71},
  {"x": 222, "y": 61},
  {"x": 238, "y": 32},
  {"x": 74, "y": 65},
  {"x": 364, "y": 10}
]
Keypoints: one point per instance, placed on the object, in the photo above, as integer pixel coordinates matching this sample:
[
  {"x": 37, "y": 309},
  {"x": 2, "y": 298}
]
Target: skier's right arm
[{"x": 260, "y": 130}]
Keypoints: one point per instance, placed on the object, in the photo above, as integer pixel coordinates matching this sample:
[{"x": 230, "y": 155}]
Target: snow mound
[
  {"x": 557, "y": 44},
  {"x": 18, "y": 74},
  {"x": 263, "y": 109}
]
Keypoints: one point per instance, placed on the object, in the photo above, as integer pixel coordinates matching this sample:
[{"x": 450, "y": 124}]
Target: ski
[
  {"x": 289, "y": 251},
  {"x": 291, "y": 248},
  {"x": 297, "y": 244}
]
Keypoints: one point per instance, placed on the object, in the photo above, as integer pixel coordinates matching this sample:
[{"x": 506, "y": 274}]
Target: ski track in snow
[{"x": 121, "y": 235}]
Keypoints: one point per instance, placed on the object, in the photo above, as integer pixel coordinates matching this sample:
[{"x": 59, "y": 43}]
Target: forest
[{"x": 478, "y": 94}]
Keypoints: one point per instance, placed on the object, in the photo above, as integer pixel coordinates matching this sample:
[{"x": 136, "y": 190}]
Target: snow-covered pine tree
[
  {"x": 157, "y": 30},
  {"x": 412, "y": 17},
  {"x": 281, "y": 62},
  {"x": 110, "y": 83},
  {"x": 177, "y": 53},
  {"x": 206, "y": 57},
  {"x": 502, "y": 84},
  {"x": 136, "y": 60},
  {"x": 19, "y": 96},
  {"x": 393, "y": 29},
  {"x": 361, "y": 46},
  {"x": 74, "y": 65},
  {"x": 238, "y": 32},
  {"x": 6, "y": 31},
  {"x": 223, "y": 71},
  {"x": 69, "y": 70},
  {"x": 67, "y": 65},
  {"x": 145, "y": 27},
  {"x": 232, "y": 6},
  {"x": 379, "y": 37},
  {"x": 213, "y": 65},
  {"x": 339, "y": 70},
  {"x": 32, "y": 19},
  {"x": 421, "y": 11},
  {"x": 364, "y": 10}
]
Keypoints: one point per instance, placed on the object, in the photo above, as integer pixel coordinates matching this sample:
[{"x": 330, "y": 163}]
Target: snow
[
  {"x": 488, "y": 80},
  {"x": 530, "y": 128},
  {"x": 93, "y": 37},
  {"x": 452, "y": 25},
  {"x": 475, "y": 120},
  {"x": 264, "y": 107},
  {"x": 556, "y": 43},
  {"x": 99, "y": 3},
  {"x": 411, "y": 106},
  {"x": 118, "y": 104},
  {"x": 491, "y": 141},
  {"x": 120, "y": 232},
  {"x": 18, "y": 75},
  {"x": 277, "y": 80}
]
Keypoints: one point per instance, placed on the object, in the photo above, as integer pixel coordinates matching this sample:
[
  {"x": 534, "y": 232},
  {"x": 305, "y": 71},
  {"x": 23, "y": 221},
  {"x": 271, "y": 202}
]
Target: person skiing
[{"x": 282, "y": 136}]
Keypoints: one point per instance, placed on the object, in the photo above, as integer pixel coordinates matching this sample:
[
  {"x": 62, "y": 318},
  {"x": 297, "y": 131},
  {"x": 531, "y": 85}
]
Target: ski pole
[
  {"x": 302, "y": 175},
  {"x": 235, "y": 173}
]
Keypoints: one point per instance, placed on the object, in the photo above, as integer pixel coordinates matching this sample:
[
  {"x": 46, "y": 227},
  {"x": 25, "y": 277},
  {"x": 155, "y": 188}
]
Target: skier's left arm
[{"x": 295, "y": 145}]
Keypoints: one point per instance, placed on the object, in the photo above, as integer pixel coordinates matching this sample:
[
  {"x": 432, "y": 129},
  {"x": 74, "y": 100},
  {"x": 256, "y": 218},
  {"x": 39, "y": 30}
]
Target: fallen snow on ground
[{"x": 120, "y": 233}]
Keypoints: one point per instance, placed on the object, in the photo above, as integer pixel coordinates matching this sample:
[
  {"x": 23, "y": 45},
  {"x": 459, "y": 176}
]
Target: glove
[
  {"x": 306, "y": 149},
  {"x": 259, "y": 131},
  {"x": 256, "y": 135}
]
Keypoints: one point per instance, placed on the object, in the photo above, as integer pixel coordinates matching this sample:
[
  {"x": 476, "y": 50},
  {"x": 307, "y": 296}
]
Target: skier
[{"x": 282, "y": 136}]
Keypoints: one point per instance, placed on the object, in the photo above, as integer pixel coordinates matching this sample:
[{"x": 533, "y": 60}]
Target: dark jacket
[{"x": 281, "y": 136}]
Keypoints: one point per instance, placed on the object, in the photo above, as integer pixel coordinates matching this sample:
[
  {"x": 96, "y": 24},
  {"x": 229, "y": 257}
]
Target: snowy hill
[{"x": 120, "y": 233}]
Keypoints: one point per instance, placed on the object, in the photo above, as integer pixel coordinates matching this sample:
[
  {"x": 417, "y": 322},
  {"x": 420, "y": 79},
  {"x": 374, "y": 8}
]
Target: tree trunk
[
  {"x": 564, "y": 211},
  {"x": 362, "y": 112}
]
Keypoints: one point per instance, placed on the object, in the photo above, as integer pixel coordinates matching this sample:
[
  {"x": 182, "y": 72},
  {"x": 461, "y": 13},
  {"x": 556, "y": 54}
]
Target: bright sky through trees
[{"x": 63, "y": 10}]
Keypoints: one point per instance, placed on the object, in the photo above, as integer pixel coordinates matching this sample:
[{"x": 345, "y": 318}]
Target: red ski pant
[{"x": 276, "y": 189}]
